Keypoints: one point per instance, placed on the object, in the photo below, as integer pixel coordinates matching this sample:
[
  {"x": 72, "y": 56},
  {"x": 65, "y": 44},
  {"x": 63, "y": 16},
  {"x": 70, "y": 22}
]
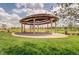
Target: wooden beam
[{"x": 39, "y": 23}]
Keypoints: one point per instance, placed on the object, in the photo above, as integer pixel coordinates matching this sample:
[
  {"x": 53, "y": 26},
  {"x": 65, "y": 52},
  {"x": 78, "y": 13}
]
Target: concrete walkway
[{"x": 54, "y": 35}]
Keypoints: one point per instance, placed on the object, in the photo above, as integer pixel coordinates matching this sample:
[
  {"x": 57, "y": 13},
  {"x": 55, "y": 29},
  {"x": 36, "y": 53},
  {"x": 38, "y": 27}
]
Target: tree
[
  {"x": 4, "y": 26},
  {"x": 67, "y": 11},
  {"x": 63, "y": 13}
]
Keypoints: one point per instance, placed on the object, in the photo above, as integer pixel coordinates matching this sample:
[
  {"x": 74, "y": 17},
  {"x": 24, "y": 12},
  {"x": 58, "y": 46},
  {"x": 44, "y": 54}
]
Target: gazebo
[{"x": 37, "y": 19}]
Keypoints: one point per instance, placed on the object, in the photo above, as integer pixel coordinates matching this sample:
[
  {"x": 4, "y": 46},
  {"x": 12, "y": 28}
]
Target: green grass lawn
[{"x": 33, "y": 46}]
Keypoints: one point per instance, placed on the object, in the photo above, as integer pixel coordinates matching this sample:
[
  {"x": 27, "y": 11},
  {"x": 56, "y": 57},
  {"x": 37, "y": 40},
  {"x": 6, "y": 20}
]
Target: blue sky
[
  {"x": 11, "y": 13},
  {"x": 9, "y": 6}
]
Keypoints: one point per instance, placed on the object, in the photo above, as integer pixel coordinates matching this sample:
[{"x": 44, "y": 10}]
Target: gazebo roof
[{"x": 39, "y": 19}]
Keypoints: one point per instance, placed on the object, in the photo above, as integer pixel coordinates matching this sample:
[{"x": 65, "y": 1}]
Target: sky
[{"x": 11, "y": 13}]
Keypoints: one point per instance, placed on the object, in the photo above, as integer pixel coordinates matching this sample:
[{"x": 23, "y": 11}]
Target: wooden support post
[
  {"x": 38, "y": 28},
  {"x": 34, "y": 25},
  {"x": 21, "y": 27},
  {"x": 24, "y": 27},
  {"x": 42, "y": 27},
  {"x": 30, "y": 28},
  {"x": 47, "y": 27},
  {"x": 51, "y": 24},
  {"x": 55, "y": 27}
]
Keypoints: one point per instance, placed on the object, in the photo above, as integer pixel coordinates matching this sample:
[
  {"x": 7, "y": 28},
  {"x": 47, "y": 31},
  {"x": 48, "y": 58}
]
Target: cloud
[
  {"x": 2, "y": 10},
  {"x": 15, "y": 16},
  {"x": 30, "y": 5},
  {"x": 19, "y": 10},
  {"x": 38, "y": 11},
  {"x": 14, "y": 19},
  {"x": 6, "y": 16},
  {"x": 22, "y": 10},
  {"x": 30, "y": 8},
  {"x": 3, "y": 14},
  {"x": 16, "y": 13},
  {"x": 8, "y": 19}
]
